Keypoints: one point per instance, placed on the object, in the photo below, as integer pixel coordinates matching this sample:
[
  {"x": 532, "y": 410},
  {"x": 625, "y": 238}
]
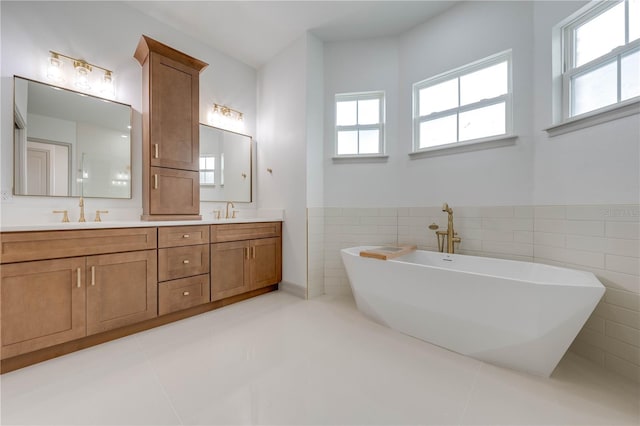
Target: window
[
  {"x": 467, "y": 104},
  {"x": 207, "y": 170},
  {"x": 601, "y": 57},
  {"x": 360, "y": 124}
]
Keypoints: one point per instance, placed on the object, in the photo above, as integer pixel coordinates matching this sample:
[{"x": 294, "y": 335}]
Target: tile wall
[{"x": 603, "y": 239}]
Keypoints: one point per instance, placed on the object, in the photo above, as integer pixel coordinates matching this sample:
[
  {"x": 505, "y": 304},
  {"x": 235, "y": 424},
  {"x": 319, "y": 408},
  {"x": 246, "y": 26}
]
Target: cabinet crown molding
[{"x": 147, "y": 45}]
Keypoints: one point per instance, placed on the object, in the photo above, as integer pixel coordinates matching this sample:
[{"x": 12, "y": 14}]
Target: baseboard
[{"x": 294, "y": 289}]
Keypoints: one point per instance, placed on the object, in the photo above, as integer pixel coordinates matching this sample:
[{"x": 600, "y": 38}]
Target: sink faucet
[
  {"x": 232, "y": 206},
  {"x": 81, "y": 204},
  {"x": 449, "y": 234}
]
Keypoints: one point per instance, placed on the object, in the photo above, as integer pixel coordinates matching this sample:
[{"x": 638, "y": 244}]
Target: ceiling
[{"x": 255, "y": 31}]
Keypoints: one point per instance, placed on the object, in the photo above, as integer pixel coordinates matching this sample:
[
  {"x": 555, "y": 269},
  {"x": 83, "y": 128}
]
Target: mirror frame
[
  {"x": 250, "y": 165},
  {"x": 131, "y": 165}
]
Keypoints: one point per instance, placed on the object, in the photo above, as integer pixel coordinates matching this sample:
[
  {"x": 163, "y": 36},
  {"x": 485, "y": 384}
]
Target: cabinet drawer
[
  {"x": 245, "y": 231},
  {"x": 21, "y": 246},
  {"x": 182, "y": 294},
  {"x": 180, "y": 262},
  {"x": 175, "y": 236}
]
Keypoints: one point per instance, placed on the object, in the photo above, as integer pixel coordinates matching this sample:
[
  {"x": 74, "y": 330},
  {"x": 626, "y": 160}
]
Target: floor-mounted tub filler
[{"x": 515, "y": 314}]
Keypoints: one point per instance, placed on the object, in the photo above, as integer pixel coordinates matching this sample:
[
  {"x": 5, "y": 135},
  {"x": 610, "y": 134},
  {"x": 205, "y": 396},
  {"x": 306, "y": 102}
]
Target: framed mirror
[
  {"x": 225, "y": 165},
  {"x": 69, "y": 144}
]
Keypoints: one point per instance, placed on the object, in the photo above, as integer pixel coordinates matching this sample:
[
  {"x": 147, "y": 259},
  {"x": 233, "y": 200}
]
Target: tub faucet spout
[{"x": 449, "y": 235}]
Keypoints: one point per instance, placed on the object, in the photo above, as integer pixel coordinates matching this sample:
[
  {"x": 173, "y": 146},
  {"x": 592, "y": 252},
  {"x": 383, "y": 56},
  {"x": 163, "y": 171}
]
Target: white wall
[
  {"x": 104, "y": 33},
  {"x": 591, "y": 166},
  {"x": 282, "y": 148},
  {"x": 362, "y": 66},
  {"x": 598, "y": 165}
]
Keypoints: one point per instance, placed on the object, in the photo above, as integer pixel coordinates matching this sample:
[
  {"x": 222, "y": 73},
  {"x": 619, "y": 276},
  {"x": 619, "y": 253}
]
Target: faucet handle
[
  {"x": 235, "y": 212},
  {"x": 65, "y": 214},
  {"x": 98, "y": 218},
  {"x": 216, "y": 214}
]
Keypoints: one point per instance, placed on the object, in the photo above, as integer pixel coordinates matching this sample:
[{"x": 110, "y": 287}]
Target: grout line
[
  {"x": 157, "y": 380},
  {"x": 470, "y": 393}
]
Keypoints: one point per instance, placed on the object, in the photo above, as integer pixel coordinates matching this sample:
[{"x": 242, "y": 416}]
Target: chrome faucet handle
[
  {"x": 98, "y": 218},
  {"x": 65, "y": 214}
]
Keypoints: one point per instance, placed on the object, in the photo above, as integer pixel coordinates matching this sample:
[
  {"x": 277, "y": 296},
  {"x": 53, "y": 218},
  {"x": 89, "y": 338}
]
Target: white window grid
[
  {"x": 363, "y": 96},
  {"x": 507, "y": 98},
  {"x": 204, "y": 171},
  {"x": 570, "y": 71}
]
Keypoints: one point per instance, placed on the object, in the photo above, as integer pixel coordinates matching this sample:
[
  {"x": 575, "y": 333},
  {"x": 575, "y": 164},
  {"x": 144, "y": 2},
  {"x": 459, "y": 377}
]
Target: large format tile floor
[{"x": 277, "y": 359}]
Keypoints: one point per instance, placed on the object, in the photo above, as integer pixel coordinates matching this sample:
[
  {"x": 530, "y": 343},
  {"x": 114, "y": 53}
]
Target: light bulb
[
  {"x": 82, "y": 74},
  {"x": 107, "y": 83},
  {"x": 54, "y": 70}
]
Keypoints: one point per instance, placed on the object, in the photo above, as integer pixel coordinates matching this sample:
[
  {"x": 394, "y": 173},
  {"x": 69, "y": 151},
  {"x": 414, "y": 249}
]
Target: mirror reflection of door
[
  {"x": 37, "y": 171},
  {"x": 47, "y": 168}
]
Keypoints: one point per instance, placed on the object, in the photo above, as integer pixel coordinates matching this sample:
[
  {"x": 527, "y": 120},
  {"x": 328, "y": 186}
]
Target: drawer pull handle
[
  {"x": 93, "y": 275},
  {"x": 185, "y": 236},
  {"x": 79, "y": 277},
  {"x": 186, "y": 261},
  {"x": 186, "y": 293},
  {"x": 246, "y": 252},
  {"x": 155, "y": 181},
  {"x": 253, "y": 252},
  {"x": 156, "y": 151}
]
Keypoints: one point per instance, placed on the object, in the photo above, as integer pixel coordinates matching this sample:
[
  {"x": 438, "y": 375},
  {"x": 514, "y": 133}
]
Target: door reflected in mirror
[
  {"x": 225, "y": 165},
  {"x": 70, "y": 144}
]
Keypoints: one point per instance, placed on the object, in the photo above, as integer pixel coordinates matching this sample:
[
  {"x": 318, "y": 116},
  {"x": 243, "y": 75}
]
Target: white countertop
[{"x": 129, "y": 224}]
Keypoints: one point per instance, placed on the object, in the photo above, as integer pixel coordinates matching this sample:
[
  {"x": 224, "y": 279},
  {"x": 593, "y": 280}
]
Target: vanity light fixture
[
  {"x": 227, "y": 118},
  {"x": 83, "y": 73}
]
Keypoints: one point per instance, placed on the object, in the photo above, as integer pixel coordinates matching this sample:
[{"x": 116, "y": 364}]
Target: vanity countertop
[{"x": 59, "y": 226}]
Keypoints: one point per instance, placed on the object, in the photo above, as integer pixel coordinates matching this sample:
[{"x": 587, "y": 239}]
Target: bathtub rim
[{"x": 594, "y": 282}]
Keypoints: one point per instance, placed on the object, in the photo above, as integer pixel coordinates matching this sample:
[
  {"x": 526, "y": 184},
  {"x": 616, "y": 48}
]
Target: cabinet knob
[
  {"x": 186, "y": 293},
  {"x": 186, "y": 261}
]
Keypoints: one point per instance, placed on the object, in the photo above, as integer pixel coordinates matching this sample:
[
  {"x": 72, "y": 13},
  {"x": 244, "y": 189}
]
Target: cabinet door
[
  {"x": 174, "y": 115},
  {"x": 43, "y": 304},
  {"x": 122, "y": 289},
  {"x": 266, "y": 262},
  {"x": 174, "y": 192},
  {"x": 230, "y": 269}
]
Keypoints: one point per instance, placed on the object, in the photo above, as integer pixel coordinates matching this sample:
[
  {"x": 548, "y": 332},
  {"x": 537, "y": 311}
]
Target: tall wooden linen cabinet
[{"x": 170, "y": 132}]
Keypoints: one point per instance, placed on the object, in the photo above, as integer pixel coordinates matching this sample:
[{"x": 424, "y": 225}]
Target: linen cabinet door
[
  {"x": 266, "y": 262},
  {"x": 43, "y": 304},
  {"x": 174, "y": 114},
  {"x": 230, "y": 269},
  {"x": 122, "y": 289},
  {"x": 174, "y": 192}
]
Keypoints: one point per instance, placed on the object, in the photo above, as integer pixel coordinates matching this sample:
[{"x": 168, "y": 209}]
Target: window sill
[
  {"x": 377, "y": 158},
  {"x": 594, "y": 118},
  {"x": 467, "y": 146}
]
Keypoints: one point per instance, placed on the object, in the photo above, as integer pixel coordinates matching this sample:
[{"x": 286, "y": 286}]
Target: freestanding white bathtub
[{"x": 516, "y": 314}]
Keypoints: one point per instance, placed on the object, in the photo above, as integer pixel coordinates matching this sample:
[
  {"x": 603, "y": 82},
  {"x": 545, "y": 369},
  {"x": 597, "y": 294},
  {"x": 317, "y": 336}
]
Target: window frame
[
  {"x": 570, "y": 71},
  {"x": 200, "y": 171},
  {"x": 380, "y": 126},
  {"x": 456, "y": 74}
]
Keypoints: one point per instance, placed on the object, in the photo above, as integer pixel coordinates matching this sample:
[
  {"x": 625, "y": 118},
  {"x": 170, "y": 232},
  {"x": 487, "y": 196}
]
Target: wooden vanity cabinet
[
  {"x": 170, "y": 131},
  {"x": 245, "y": 257},
  {"x": 53, "y": 301},
  {"x": 71, "y": 289},
  {"x": 183, "y": 267}
]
